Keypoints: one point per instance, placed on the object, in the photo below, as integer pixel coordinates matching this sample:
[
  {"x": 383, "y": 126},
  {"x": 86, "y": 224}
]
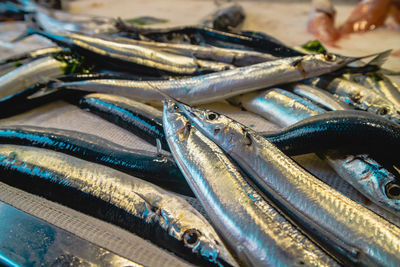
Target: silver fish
[
  {"x": 320, "y": 96},
  {"x": 381, "y": 84},
  {"x": 257, "y": 232},
  {"x": 235, "y": 57},
  {"x": 152, "y": 206},
  {"x": 40, "y": 52},
  {"x": 363, "y": 98},
  {"x": 8, "y": 64},
  {"x": 365, "y": 174},
  {"x": 277, "y": 105},
  {"x": 28, "y": 75},
  {"x": 7, "y": 67},
  {"x": 53, "y": 20},
  {"x": 216, "y": 86},
  {"x": 130, "y": 53},
  {"x": 342, "y": 226}
]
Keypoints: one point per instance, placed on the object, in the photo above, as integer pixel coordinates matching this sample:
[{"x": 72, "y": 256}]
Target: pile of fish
[{"x": 260, "y": 207}]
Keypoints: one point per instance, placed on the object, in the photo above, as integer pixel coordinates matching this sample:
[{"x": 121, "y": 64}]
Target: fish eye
[
  {"x": 191, "y": 237},
  {"x": 382, "y": 111},
  {"x": 330, "y": 57},
  {"x": 393, "y": 190},
  {"x": 212, "y": 116}
]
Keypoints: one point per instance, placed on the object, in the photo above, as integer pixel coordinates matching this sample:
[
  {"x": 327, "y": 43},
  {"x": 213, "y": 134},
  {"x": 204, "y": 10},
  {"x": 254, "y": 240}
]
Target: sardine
[
  {"x": 10, "y": 63},
  {"x": 7, "y": 67},
  {"x": 12, "y": 83},
  {"x": 204, "y": 35},
  {"x": 138, "y": 206},
  {"x": 40, "y": 52},
  {"x": 216, "y": 86},
  {"x": 53, "y": 20},
  {"x": 320, "y": 96},
  {"x": 358, "y": 96},
  {"x": 130, "y": 54},
  {"x": 141, "y": 119},
  {"x": 257, "y": 232},
  {"x": 229, "y": 56},
  {"x": 342, "y": 226},
  {"x": 155, "y": 168},
  {"x": 381, "y": 84},
  {"x": 365, "y": 174},
  {"x": 277, "y": 105},
  {"x": 358, "y": 130},
  {"x": 29, "y": 241}
]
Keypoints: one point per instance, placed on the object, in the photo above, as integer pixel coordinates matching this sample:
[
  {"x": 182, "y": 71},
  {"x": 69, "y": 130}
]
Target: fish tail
[
  {"x": 379, "y": 59},
  {"x": 48, "y": 87},
  {"x": 27, "y": 33}
]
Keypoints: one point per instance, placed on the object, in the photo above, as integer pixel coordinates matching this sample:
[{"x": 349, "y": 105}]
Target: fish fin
[
  {"x": 52, "y": 85},
  {"x": 33, "y": 27}
]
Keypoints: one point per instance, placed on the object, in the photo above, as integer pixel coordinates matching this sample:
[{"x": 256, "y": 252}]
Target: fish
[
  {"x": 207, "y": 36},
  {"x": 56, "y": 20},
  {"x": 140, "y": 119},
  {"x": 380, "y": 83},
  {"x": 255, "y": 230},
  {"x": 320, "y": 96},
  {"x": 128, "y": 55},
  {"x": 36, "y": 53},
  {"x": 364, "y": 173},
  {"x": 358, "y": 131},
  {"x": 21, "y": 78},
  {"x": 10, "y": 63},
  {"x": 312, "y": 204},
  {"x": 277, "y": 105},
  {"x": 358, "y": 96},
  {"x": 156, "y": 168},
  {"x": 234, "y": 57},
  {"x": 133, "y": 204},
  {"x": 7, "y": 67},
  {"x": 216, "y": 86},
  {"x": 31, "y": 240}
]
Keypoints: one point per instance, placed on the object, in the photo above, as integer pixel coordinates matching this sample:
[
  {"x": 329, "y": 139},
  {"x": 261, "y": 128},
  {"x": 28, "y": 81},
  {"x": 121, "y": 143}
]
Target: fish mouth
[{"x": 217, "y": 254}]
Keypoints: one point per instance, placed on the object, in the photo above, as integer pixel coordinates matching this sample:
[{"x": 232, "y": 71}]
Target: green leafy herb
[
  {"x": 74, "y": 63},
  {"x": 375, "y": 76},
  {"x": 17, "y": 64},
  {"x": 314, "y": 46},
  {"x": 146, "y": 20}
]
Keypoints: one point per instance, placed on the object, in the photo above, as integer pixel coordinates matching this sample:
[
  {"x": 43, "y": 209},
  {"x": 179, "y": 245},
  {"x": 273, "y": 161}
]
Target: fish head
[
  {"x": 203, "y": 241},
  {"x": 175, "y": 124},
  {"x": 318, "y": 64},
  {"x": 388, "y": 111},
  {"x": 207, "y": 246},
  {"x": 223, "y": 130}
]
